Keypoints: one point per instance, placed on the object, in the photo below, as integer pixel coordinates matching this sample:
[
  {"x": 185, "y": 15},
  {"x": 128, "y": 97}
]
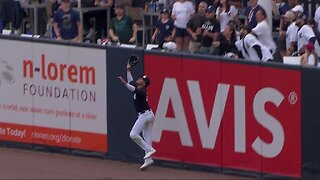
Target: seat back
[{"x": 136, "y": 14}]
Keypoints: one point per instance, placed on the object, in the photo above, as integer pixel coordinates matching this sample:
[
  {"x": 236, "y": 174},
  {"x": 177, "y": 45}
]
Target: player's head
[{"x": 143, "y": 81}]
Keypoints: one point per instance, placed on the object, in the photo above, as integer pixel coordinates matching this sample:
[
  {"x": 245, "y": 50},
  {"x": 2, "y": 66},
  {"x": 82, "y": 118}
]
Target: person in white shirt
[
  {"x": 251, "y": 48},
  {"x": 291, "y": 35},
  {"x": 317, "y": 17},
  {"x": 181, "y": 13},
  {"x": 305, "y": 34},
  {"x": 263, "y": 31},
  {"x": 225, "y": 13},
  {"x": 310, "y": 57},
  {"x": 283, "y": 41}
]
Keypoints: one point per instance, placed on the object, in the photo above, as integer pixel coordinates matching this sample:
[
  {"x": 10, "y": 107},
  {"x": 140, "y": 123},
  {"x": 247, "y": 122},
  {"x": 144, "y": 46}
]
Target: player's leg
[
  {"x": 147, "y": 130},
  {"x": 135, "y": 133},
  {"x": 147, "y": 135}
]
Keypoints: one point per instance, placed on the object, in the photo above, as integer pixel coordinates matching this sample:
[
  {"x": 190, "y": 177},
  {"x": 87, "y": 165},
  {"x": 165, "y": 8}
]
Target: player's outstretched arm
[
  {"x": 122, "y": 80},
  {"x": 129, "y": 86},
  {"x": 129, "y": 75}
]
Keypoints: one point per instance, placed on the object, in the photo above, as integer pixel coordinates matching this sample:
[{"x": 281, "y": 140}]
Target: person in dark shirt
[
  {"x": 145, "y": 119},
  {"x": 194, "y": 27},
  {"x": 251, "y": 12},
  {"x": 122, "y": 28},
  {"x": 225, "y": 42},
  {"x": 283, "y": 7},
  {"x": 210, "y": 30},
  {"x": 67, "y": 24},
  {"x": 165, "y": 29}
]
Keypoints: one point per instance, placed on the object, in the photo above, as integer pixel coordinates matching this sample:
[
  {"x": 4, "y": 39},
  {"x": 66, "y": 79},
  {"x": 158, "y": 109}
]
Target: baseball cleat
[
  {"x": 149, "y": 153},
  {"x": 146, "y": 164}
]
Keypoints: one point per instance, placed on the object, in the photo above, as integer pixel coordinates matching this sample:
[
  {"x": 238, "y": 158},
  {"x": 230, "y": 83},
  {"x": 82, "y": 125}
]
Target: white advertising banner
[{"x": 53, "y": 95}]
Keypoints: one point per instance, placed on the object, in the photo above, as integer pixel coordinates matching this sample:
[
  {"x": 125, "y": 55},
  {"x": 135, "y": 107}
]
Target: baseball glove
[{"x": 133, "y": 60}]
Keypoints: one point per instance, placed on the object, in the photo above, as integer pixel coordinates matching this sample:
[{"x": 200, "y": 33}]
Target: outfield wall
[{"x": 212, "y": 113}]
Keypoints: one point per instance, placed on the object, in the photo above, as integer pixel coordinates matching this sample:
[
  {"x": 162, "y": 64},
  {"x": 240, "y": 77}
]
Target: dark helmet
[{"x": 146, "y": 80}]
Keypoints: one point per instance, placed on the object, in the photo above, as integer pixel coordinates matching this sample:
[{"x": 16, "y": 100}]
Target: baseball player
[{"x": 145, "y": 118}]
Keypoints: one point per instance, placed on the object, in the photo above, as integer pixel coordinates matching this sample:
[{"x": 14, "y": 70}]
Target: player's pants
[{"x": 143, "y": 124}]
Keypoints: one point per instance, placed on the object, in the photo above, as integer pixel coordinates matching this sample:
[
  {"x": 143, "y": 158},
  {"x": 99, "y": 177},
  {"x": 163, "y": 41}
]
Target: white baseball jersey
[
  {"x": 304, "y": 35},
  {"x": 182, "y": 12},
  {"x": 264, "y": 34},
  {"x": 291, "y": 34},
  {"x": 225, "y": 17},
  {"x": 317, "y": 17},
  {"x": 245, "y": 45}
]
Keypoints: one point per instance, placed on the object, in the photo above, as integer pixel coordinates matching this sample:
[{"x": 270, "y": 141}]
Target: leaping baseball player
[{"x": 145, "y": 118}]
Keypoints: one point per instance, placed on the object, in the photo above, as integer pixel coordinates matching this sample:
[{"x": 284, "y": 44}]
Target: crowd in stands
[{"x": 232, "y": 28}]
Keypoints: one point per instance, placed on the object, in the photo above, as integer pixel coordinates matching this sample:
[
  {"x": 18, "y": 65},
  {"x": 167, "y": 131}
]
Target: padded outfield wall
[{"x": 213, "y": 114}]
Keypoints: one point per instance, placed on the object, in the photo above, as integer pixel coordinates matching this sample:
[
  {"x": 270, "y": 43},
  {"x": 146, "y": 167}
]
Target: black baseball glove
[{"x": 133, "y": 60}]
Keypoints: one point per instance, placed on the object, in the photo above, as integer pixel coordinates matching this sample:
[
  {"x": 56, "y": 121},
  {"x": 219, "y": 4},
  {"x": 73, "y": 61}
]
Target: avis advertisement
[{"x": 227, "y": 115}]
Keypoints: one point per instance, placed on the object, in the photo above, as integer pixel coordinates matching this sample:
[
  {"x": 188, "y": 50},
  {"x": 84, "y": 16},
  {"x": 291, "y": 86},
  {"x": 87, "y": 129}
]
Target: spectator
[
  {"x": 283, "y": 7},
  {"x": 314, "y": 27},
  {"x": 67, "y": 23},
  {"x": 165, "y": 29},
  {"x": 286, "y": 34},
  {"x": 277, "y": 12},
  {"x": 310, "y": 57},
  {"x": 194, "y": 27},
  {"x": 181, "y": 12},
  {"x": 225, "y": 13},
  {"x": 251, "y": 12},
  {"x": 317, "y": 18},
  {"x": 263, "y": 31},
  {"x": 122, "y": 27},
  {"x": 251, "y": 48},
  {"x": 210, "y": 31},
  {"x": 198, "y": 2},
  {"x": 225, "y": 42},
  {"x": 305, "y": 34},
  {"x": 53, "y": 7},
  {"x": 100, "y": 27},
  {"x": 11, "y": 12}
]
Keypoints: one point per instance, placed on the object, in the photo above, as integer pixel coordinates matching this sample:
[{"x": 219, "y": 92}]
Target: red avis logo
[
  {"x": 52, "y": 71},
  {"x": 226, "y": 114},
  {"x": 170, "y": 92}
]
